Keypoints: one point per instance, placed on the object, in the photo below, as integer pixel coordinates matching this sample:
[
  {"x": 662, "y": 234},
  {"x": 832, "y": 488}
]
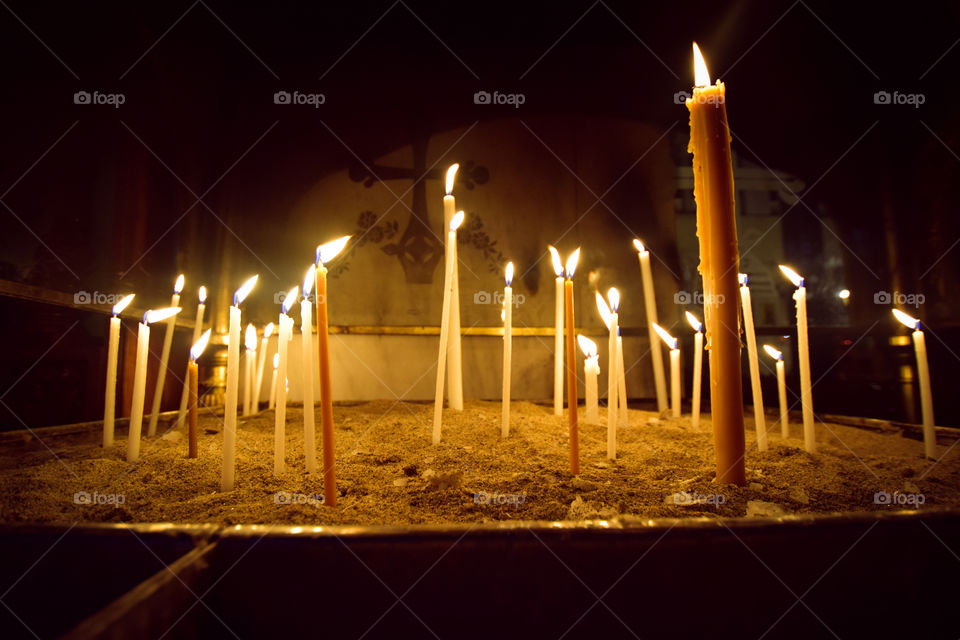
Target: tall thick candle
[
  {"x": 610, "y": 320},
  {"x": 758, "y": 418},
  {"x": 923, "y": 376},
  {"x": 781, "y": 390},
  {"x": 228, "y": 469},
  {"x": 271, "y": 403},
  {"x": 571, "y": 363},
  {"x": 326, "y": 253},
  {"x": 306, "y": 331},
  {"x": 193, "y": 384},
  {"x": 249, "y": 360},
  {"x": 113, "y": 347},
  {"x": 697, "y": 368},
  {"x": 284, "y": 334},
  {"x": 558, "y": 336},
  {"x": 261, "y": 361},
  {"x": 591, "y": 371},
  {"x": 140, "y": 378},
  {"x": 164, "y": 358},
  {"x": 674, "y": 345},
  {"x": 650, "y": 304},
  {"x": 507, "y": 351},
  {"x": 444, "y": 328},
  {"x": 455, "y": 368},
  {"x": 197, "y": 330},
  {"x": 719, "y": 265},
  {"x": 803, "y": 359}
]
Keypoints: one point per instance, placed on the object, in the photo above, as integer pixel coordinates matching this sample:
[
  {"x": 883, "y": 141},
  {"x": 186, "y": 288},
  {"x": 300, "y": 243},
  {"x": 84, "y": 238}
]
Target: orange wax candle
[
  {"x": 719, "y": 266},
  {"x": 572, "y": 363}
]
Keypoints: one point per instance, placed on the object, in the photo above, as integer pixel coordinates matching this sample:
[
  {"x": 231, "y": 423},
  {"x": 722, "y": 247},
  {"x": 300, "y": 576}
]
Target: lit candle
[
  {"x": 261, "y": 361},
  {"x": 674, "y": 345},
  {"x": 284, "y": 335},
  {"x": 249, "y": 360},
  {"x": 113, "y": 346},
  {"x": 650, "y": 304},
  {"x": 197, "y": 330},
  {"x": 454, "y": 371},
  {"x": 306, "y": 332},
  {"x": 571, "y": 362},
  {"x": 455, "y": 223},
  {"x": 803, "y": 349},
  {"x": 622, "y": 415},
  {"x": 697, "y": 368},
  {"x": 507, "y": 349},
  {"x": 610, "y": 320},
  {"x": 923, "y": 376},
  {"x": 781, "y": 390},
  {"x": 719, "y": 265},
  {"x": 326, "y": 253},
  {"x": 558, "y": 336},
  {"x": 193, "y": 384},
  {"x": 140, "y": 378},
  {"x": 228, "y": 470},
  {"x": 271, "y": 403},
  {"x": 591, "y": 371},
  {"x": 164, "y": 358},
  {"x": 760, "y": 421}
]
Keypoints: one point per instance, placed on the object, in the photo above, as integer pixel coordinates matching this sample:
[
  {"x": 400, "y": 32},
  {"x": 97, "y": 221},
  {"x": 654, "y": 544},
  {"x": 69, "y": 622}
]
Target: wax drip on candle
[{"x": 122, "y": 304}]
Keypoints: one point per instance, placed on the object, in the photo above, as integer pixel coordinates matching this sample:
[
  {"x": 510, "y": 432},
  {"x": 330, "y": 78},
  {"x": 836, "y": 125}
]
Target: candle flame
[
  {"x": 329, "y": 251},
  {"x": 451, "y": 176},
  {"x": 289, "y": 299},
  {"x": 250, "y": 338},
  {"x": 157, "y": 315},
  {"x": 572, "y": 263},
  {"x": 742, "y": 278},
  {"x": 666, "y": 337},
  {"x": 456, "y": 220},
  {"x": 308, "y": 279},
  {"x": 268, "y": 331},
  {"x": 907, "y": 320},
  {"x": 276, "y": 360},
  {"x": 123, "y": 304},
  {"x": 604, "y": 310},
  {"x": 614, "y": 297},
  {"x": 639, "y": 246},
  {"x": 794, "y": 277},
  {"x": 197, "y": 349},
  {"x": 202, "y": 294},
  {"x": 241, "y": 294},
  {"x": 843, "y": 294},
  {"x": 773, "y": 353},
  {"x": 509, "y": 273},
  {"x": 178, "y": 285},
  {"x": 694, "y": 322},
  {"x": 700, "y": 73},
  {"x": 503, "y": 314},
  {"x": 557, "y": 262},
  {"x": 588, "y": 346}
]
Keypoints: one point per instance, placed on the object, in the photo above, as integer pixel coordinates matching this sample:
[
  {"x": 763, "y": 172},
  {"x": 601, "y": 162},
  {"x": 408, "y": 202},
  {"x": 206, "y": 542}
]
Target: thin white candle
[
  {"x": 284, "y": 335},
  {"x": 261, "y": 361},
  {"x": 674, "y": 345},
  {"x": 140, "y": 378},
  {"x": 250, "y": 357},
  {"x": 455, "y": 370},
  {"x": 803, "y": 353},
  {"x": 759, "y": 419},
  {"x": 650, "y": 304},
  {"x": 164, "y": 358},
  {"x": 197, "y": 331},
  {"x": 113, "y": 347},
  {"x": 444, "y": 328},
  {"x": 306, "y": 331},
  {"x": 507, "y": 350},
  {"x": 228, "y": 470},
  {"x": 558, "y": 336},
  {"x": 610, "y": 320},
  {"x": 697, "y": 368},
  {"x": 781, "y": 390},
  {"x": 591, "y": 371},
  {"x": 271, "y": 403},
  {"x": 923, "y": 377}
]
